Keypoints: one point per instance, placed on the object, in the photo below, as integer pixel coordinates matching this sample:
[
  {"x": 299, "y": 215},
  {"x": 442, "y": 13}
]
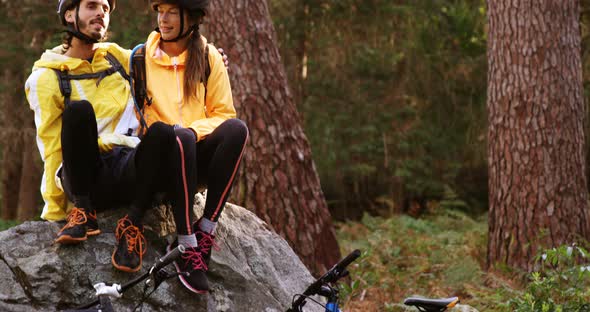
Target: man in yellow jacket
[
  {"x": 87, "y": 126},
  {"x": 111, "y": 100}
]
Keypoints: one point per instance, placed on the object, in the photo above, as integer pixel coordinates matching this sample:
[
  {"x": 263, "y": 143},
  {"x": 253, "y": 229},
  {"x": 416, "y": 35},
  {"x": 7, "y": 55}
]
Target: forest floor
[{"x": 441, "y": 254}]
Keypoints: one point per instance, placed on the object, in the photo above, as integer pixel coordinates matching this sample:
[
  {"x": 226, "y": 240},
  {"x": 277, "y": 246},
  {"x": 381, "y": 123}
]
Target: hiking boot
[
  {"x": 75, "y": 229},
  {"x": 92, "y": 224},
  {"x": 191, "y": 262},
  {"x": 131, "y": 246}
]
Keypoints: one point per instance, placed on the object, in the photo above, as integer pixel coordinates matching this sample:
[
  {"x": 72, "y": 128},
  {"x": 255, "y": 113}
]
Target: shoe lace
[
  {"x": 77, "y": 216},
  {"x": 194, "y": 259},
  {"x": 92, "y": 215},
  {"x": 135, "y": 239},
  {"x": 206, "y": 242}
]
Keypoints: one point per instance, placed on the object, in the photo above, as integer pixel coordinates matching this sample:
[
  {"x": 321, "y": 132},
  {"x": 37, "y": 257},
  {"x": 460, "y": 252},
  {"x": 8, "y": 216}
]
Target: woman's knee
[
  {"x": 186, "y": 136},
  {"x": 236, "y": 130}
]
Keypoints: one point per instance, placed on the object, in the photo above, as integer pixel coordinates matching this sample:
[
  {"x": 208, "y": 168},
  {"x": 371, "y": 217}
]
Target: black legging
[
  {"x": 212, "y": 161},
  {"x": 166, "y": 160},
  {"x": 218, "y": 157}
]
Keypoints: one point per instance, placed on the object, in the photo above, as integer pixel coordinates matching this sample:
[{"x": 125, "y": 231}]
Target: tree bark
[
  {"x": 536, "y": 114},
  {"x": 20, "y": 166},
  {"x": 29, "y": 196},
  {"x": 12, "y": 150},
  {"x": 278, "y": 180}
]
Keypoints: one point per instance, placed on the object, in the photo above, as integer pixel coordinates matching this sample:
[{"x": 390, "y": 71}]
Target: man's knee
[
  {"x": 159, "y": 132},
  {"x": 78, "y": 110}
]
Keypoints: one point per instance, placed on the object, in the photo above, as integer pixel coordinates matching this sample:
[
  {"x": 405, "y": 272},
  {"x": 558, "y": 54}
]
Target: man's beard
[{"x": 93, "y": 34}]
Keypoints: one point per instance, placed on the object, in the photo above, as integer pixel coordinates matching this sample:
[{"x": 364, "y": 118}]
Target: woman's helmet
[
  {"x": 195, "y": 8},
  {"x": 188, "y": 5},
  {"x": 64, "y": 5}
]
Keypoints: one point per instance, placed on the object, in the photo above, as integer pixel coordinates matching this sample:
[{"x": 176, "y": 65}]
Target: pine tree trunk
[
  {"x": 536, "y": 156},
  {"x": 29, "y": 196},
  {"x": 12, "y": 150},
  {"x": 278, "y": 180}
]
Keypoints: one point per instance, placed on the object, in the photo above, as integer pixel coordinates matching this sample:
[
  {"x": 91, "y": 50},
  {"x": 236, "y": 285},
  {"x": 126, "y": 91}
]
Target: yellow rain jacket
[
  {"x": 165, "y": 81},
  {"x": 111, "y": 100}
]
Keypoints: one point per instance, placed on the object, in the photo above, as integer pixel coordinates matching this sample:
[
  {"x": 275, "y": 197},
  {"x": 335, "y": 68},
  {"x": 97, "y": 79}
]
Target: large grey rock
[{"x": 255, "y": 269}]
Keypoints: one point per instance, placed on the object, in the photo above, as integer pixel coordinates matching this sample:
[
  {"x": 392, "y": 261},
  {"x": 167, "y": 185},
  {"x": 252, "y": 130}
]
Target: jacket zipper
[{"x": 174, "y": 62}]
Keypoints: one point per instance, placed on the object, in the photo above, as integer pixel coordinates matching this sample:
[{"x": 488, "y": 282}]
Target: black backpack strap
[
  {"x": 138, "y": 81},
  {"x": 63, "y": 79},
  {"x": 115, "y": 67},
  {"x": 139, "y": 76}
]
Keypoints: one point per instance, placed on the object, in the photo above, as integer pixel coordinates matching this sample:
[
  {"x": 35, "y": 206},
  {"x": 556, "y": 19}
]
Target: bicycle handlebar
[
  {"x": 335, "y": 273},
  {"x": 168, "y": 258},
  {"x": 341, "y": 266},
  {"x": 111, "y": 290}
]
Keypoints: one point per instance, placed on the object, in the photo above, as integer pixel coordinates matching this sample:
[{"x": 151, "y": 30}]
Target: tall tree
[
  {"x": 278, "y": 179},
  {"x": 536, "y": 114},
  {"x": 20, "y": 165}
]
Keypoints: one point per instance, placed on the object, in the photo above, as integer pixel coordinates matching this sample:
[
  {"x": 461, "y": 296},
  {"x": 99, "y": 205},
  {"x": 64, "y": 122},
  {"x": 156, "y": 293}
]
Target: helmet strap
[{"x": 77, "y": 33}]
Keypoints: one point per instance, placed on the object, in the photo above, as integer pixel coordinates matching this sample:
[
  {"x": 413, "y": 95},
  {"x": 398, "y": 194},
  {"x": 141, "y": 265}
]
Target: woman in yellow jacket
[{"x": 206, "y": 140}]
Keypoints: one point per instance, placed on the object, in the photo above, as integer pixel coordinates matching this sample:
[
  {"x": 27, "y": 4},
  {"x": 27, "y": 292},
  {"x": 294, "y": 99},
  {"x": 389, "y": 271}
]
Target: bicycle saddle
[{"x": 432, "y": 305}]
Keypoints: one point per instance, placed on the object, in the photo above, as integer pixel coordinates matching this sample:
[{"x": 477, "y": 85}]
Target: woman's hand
[{"x": 225, "y": 58}]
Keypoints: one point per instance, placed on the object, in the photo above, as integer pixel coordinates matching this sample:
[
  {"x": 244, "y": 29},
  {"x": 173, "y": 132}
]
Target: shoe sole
[
  {"x": 124, "y": 268},
  {"x": 69, "y": 240},
  {"x": 93, "y": 232},
  {"x": 183, "y": 281}
]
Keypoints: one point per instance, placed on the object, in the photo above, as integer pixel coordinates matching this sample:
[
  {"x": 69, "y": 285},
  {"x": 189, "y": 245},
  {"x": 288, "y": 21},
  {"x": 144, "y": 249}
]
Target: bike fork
[
  {"x": 332, "y": 295},
  {"x": 332, "y": 307}
]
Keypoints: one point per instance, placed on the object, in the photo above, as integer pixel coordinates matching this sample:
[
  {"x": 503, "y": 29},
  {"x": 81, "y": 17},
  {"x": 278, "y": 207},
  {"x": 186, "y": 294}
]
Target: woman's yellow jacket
[{"x": 165, "y": 81}]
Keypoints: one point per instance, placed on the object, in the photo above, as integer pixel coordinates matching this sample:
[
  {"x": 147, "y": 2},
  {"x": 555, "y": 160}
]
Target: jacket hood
[
  {"x": 159, "y": 56},
  {"x": 55, "y": 59}
]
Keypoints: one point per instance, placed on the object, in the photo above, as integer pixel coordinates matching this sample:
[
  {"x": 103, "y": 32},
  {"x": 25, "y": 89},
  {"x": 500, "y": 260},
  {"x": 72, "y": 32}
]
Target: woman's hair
[{"x": 196, "y": 63}]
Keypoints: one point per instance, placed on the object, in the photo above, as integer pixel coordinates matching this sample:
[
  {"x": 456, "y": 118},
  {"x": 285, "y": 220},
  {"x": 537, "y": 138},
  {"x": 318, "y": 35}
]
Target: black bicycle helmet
[
  {"x": 64, "y": 5},
  {"x": 197, "y": 8},
  {"x": 189, "y": 5}
]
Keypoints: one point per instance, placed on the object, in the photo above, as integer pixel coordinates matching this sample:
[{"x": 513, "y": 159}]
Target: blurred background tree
[
  {"x": 393, "y": 99},
  {"x": 391, "y": 93}
]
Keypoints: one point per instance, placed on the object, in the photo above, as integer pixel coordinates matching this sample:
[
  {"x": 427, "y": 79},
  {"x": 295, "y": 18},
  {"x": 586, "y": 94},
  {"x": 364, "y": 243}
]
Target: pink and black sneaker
[{"x": 191, "y": 262}]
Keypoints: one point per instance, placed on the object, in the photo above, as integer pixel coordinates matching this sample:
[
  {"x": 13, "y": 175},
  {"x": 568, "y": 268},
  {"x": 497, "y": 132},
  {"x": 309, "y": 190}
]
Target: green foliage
[
  {"x": 6, "y": 224},
  {"x": 438, "y": 256},
  {"x": 562, "y": 283},
  {"x": 394, "y": 95}
]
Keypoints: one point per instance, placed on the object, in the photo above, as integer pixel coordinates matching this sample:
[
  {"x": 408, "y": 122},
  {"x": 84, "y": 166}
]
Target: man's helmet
[
  {"x": 188, "y": 5},
  {"x": 64, "y": 5}
]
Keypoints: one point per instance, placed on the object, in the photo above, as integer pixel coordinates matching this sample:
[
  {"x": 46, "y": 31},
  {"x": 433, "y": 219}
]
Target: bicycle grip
[
  {"x": 168, "y": 258},
  {"x": 340, "y": 266}
]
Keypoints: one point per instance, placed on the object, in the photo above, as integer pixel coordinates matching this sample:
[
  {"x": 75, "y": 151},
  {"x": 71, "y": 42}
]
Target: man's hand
[{"x": 225, "y": 58}]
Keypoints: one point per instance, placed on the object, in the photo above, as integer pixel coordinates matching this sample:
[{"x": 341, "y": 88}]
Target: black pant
[
  {"x": 167, "y": 160},
  {"x": 212, "y": 162},
  {"x": 93, "y": 180}
]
